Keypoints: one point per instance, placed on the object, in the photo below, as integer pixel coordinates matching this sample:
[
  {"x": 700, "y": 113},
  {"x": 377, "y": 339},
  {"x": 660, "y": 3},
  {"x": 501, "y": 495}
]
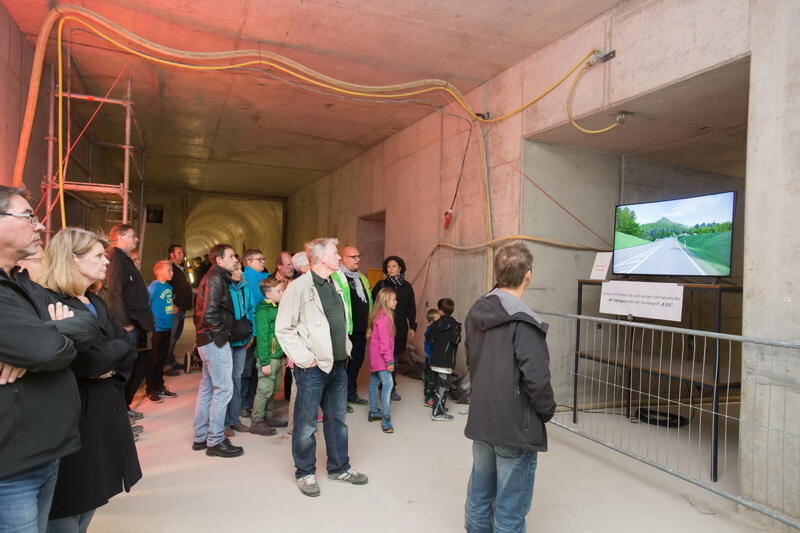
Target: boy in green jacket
[{"x": 269, "y": 360}]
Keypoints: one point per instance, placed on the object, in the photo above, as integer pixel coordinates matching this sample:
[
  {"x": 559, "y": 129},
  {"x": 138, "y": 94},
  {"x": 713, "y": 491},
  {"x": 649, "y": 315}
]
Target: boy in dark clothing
[
  {"x": 432, "y": 315},
  {"x": 445, "y": 337}
]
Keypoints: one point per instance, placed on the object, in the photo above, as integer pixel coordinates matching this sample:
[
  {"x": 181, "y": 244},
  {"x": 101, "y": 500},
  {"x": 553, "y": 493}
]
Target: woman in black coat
[
  {"x": 107, "y": 461},
  {"x": 405, "y": 315}
]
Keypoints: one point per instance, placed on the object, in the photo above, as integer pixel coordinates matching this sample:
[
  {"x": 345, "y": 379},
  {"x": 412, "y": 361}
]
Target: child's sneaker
[
  {"x": 386, "y": 425},
  {"x": 374, "y": 416},
  {"x": 428, "y": 403},
  {"x": 444, "y": 417}
]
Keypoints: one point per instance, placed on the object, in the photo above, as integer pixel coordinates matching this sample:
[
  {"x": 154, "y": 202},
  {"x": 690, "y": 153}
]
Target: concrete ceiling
[
  {"x": 698, "y": 123},
  {"x": 246, "y": 132}
]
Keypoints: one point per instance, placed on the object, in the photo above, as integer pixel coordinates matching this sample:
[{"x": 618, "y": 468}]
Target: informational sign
[
  {"x": 662, "y": 301},
  {"x": 601, "y": 263}
]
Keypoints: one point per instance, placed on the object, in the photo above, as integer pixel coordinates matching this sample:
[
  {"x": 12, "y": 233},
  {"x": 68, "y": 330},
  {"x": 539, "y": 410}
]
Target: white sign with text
[
  {"x": 662, "y": 301},
  {"x": 601, "y": 263}
]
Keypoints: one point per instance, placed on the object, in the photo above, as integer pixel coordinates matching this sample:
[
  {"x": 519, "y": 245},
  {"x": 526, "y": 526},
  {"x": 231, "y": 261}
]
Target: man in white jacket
[{"x": 312, "y": 329}]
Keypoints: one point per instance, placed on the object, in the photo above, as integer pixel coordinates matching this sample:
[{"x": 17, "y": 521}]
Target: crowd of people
[{"x": 81, "y": 331}]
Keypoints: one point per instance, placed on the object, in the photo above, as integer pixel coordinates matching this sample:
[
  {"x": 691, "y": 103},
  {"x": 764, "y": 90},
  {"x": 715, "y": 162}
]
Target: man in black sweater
[
  {"x": 511, "y": 400},
  {"x": 183, "y": 300},
  {"x": 129, "y": 300},
  {"x": 39, "y": 403}
]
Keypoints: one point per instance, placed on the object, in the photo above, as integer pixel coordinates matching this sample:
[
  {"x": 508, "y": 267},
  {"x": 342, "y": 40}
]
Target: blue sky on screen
[{"x": 688, "y": 211}]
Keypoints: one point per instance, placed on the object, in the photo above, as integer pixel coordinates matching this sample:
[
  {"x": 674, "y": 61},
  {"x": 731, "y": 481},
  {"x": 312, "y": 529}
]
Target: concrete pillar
[{"x": 769, "y": 448}]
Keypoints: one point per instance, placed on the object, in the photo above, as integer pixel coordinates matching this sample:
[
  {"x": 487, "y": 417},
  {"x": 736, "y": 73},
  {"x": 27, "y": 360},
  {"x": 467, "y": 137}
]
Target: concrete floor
[{"x": 417, "y": 482}]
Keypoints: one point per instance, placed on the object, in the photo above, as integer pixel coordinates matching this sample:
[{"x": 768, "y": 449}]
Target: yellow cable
[
  {"x": 61, "y": 127},
  {"x": 569, "y": 107}
]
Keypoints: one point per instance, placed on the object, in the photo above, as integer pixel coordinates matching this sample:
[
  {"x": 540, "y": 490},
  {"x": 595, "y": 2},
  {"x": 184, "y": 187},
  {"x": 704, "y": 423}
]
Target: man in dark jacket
[
  {"x": 182, "y": 293},
  {"x": 512, "y": 398},
  {"x": 39, "y": 405},
  {"x": 213, "y": 320},
  {"x": 129, "y": 300}
]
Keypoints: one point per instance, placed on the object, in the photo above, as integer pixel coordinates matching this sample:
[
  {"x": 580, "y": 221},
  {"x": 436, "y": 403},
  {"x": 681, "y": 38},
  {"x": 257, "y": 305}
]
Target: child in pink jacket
[{"x": 380, "y": 335}]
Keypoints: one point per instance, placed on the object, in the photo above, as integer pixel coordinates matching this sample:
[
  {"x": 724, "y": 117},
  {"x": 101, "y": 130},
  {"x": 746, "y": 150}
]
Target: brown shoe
[
  {"x": 229, "y": 432},
  {"x": 241, "y": 428},
  {"x": 277, "y": 422},
  {"x": 262, "y": 428}
]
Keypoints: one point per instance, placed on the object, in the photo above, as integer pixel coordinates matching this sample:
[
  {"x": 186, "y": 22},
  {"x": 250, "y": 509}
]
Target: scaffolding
[{"x": 115, "y": 198}]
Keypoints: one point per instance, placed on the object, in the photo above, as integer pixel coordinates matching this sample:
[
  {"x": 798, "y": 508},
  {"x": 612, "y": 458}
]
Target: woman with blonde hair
[
  {"x": 381, "y": 338},
  {"x": 107, "y": 461}
]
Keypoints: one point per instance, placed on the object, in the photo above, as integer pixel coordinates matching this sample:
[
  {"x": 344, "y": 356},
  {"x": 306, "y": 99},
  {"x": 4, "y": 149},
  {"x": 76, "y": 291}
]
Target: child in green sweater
[{"x": 269, "y": 360}]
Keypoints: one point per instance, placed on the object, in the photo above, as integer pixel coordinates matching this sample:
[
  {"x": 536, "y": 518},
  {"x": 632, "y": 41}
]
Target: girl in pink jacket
[{"x": 380, "y": 350}]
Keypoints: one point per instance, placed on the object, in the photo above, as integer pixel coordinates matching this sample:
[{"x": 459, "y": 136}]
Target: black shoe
[
  {"x": 395, "y": 396},
  {"x": 135, "y": 415},
  {"x": 197, "y": 446},
  {"x": 154, "y": 398},
  {"x": 224, "y": 449},
  {"x": 172, "y": 372},
  {"x": 349, "y": 409},
  {"x": 137, "y": 429},
  {"x": 358, "y": 401},
  {"x": 166, "y": 393}
]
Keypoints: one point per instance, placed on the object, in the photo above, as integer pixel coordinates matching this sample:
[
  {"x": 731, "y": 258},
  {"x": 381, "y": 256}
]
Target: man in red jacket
[{"x": 511, "y": 400}]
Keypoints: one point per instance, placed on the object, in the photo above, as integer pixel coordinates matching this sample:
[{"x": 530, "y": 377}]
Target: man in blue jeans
[
  {"x": 311, "y": 327},
  {"x": 213, "y": 320},
  {"x": 39, "y": 402},
  {"x": 511, "y": 399}
]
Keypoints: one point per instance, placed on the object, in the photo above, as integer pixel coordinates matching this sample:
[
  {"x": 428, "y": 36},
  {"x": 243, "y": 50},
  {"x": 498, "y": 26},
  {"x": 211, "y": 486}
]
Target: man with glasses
[
  {"x": 39, "y": 402},
  {"x": 358, "y": 296}
]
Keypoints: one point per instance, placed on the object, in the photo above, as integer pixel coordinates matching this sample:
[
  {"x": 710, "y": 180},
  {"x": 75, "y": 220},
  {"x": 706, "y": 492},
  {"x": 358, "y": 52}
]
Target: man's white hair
[{"x": 317, "y": 247}]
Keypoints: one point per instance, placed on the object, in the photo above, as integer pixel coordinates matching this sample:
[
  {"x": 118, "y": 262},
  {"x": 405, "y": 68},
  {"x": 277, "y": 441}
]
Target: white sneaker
[
  {"x": 350, "y": 476},
  {"x": 308, "y": 485}
]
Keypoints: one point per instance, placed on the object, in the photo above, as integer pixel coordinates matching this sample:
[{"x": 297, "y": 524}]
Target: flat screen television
[{"x": 684, "y": 237}]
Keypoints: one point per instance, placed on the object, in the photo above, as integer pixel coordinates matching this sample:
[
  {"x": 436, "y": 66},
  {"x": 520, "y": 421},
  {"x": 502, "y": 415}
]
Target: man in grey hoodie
[{"x": 511, "y": 400}]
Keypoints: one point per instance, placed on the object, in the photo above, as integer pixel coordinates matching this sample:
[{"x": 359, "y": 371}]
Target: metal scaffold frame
[{"x": 90, "y": 193}]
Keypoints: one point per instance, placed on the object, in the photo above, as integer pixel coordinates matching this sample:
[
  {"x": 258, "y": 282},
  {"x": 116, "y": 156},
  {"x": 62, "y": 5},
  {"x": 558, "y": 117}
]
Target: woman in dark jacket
[
  {"x": 107, "y": 461},
  {"x": 405, "y": 315}
]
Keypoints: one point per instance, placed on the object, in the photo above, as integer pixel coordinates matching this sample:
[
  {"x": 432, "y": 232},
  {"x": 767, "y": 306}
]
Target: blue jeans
[
  {"x": 500, "y": 488},
  {"x": 315, "y": 388},
  {"x": 178, "y": 320},
  {"x": 384, "y": 378},
  {"x": 25, "y": 499},
  {"x": 214, "y": 393},
  {"x": 232, "y": 417},
  {"x": 77, "y": 523}
]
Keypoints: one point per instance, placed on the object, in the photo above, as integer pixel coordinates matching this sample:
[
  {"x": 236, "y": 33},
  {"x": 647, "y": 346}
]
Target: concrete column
[{"x": 769, "y": 448}]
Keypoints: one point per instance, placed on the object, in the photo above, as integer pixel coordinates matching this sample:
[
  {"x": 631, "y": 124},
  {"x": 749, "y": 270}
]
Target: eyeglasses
[
  {"x": 33, "y": 219},
  {"x": 354, "y": 256}
]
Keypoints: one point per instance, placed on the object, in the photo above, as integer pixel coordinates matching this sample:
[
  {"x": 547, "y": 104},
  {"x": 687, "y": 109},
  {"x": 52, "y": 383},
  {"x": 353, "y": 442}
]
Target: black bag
[{"x": 242, "y": 330}]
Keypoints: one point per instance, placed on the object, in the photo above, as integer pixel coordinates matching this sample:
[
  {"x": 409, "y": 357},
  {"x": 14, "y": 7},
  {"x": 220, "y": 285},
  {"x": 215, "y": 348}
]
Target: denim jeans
[
  {"x": 25, "y": 499},
  {"x": 77, "y": 523},
  {"x": 213, "y": 394},
  {"x": 359, "y": 341},
  {"x": 500, "y": 488},
  {"x": 315, "y": 388},
  {"x": 178, "y": 320},
  {"x": 249, "y": 378},
  {"x": 384, "y": 378},
  {"x": 238, "y": 353}
]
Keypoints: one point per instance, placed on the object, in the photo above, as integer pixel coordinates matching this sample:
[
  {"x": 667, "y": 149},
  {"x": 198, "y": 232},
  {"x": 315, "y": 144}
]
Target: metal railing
[{"x": 720, "y": 411}]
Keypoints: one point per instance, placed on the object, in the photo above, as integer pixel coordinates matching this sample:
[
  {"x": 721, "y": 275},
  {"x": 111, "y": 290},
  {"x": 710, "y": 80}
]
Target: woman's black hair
[{"x": 398, "y": 260}]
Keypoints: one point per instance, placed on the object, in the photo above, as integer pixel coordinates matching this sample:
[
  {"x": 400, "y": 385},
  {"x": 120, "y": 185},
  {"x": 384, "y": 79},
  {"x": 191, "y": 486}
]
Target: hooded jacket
[
  {"x": 445, "y": 335},
  {"x": 510, "y": 373}
]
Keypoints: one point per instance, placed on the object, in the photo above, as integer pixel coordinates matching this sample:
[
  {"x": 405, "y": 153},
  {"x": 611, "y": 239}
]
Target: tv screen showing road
[{"x": 684, "y": 237}]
